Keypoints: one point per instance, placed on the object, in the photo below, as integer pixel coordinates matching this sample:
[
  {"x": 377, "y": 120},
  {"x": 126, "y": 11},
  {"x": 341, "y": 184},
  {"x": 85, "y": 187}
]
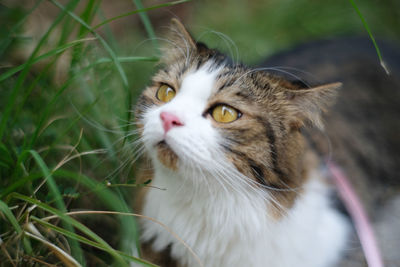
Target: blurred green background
[
  {"x": 68, "y": 85},
  {"x": 261, "y": 28}
]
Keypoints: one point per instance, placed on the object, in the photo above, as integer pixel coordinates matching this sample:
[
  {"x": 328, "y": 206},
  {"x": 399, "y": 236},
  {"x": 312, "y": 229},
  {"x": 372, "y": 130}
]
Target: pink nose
[{"x": 169, "y": 121}]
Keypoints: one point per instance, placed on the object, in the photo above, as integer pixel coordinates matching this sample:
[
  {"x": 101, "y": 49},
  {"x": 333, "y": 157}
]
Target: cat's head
[{"x": 206, "y": 114}]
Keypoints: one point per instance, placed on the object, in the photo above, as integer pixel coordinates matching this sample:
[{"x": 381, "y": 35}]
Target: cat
[{"x": 234, "y": 173}]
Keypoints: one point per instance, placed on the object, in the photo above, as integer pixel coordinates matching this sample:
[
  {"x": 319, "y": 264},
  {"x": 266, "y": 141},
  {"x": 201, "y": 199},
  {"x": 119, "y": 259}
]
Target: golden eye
[
  {"x": 165, "y": 93},
  {"x": 224, "y": 113}
]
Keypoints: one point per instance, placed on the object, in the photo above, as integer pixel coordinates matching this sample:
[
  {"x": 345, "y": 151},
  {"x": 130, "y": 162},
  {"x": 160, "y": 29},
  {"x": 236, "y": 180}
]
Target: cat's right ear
[
  {"x": 179, "y": 42},
  {"x": 181, "y": 35}
]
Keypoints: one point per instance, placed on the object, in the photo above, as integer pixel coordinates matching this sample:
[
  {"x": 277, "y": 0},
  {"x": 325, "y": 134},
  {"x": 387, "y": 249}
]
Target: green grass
[
  {"x": 62, "y": 136},
  {"x": 66, "y": 132}
]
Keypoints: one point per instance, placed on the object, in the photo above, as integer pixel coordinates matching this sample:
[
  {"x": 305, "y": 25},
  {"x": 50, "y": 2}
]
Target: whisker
[{"x": 93, "y": 123}]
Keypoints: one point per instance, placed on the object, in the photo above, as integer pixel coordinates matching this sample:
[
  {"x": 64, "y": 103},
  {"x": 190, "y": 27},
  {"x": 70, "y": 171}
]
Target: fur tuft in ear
[
  {"x": 179, "y": 42},
  {"x": 308, "y": 104},
  {"x": 182, "y": 33}
]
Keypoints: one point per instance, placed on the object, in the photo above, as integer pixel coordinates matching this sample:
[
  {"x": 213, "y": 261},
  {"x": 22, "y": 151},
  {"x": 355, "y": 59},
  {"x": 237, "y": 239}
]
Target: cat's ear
[
  {"x": 308, "y": 104},
  {"x": 181, "y": 35},
  {"x": 179, "y": 43}
]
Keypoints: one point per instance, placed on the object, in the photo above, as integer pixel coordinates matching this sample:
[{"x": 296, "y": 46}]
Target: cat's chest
[
  {"x": 229, "y": 230},
  {"x": 210, "y": 224}
]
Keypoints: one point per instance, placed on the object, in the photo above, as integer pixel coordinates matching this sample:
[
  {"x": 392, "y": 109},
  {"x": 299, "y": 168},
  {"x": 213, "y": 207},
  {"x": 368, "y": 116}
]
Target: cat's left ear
[{"x": 308, "y": 104}]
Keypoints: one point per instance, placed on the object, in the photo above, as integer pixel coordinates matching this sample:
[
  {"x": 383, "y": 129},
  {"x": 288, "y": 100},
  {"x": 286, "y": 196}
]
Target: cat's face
[
  {"x": 204, "y": 114},
  {"x": 178, "y": 129}
]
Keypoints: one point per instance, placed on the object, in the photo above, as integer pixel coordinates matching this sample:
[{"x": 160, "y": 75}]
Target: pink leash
[{"x": 358, "y": 215}]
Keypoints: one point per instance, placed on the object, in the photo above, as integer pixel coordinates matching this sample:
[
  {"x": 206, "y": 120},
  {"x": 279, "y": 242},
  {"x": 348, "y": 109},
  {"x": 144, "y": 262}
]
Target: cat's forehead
[
  {"x": 219, "y": 74},
  {"x": 199, "y": 83}
]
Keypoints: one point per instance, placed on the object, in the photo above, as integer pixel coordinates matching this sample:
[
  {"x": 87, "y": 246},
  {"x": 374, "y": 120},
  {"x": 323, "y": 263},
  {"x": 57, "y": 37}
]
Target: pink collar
[{"x": 358, "y": 215}]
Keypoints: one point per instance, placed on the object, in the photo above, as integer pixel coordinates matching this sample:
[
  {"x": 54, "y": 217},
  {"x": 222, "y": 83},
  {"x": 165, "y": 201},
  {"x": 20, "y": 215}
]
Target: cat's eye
[
  {"x": 165, "y": 93},
  {"x": 224, "y": 113}
]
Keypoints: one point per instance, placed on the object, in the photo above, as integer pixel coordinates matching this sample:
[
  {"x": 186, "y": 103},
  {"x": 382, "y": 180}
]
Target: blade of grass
[
  {"x": 63, "y": 256},
  {"x": 5, "y": 155},
  {"x": 96, "y": 112},
  {"x": 102, "y": 41},
  {"x": 75, "y": 247},
  {"x": 101, "y": 190},
  {"x": 88, "y": 241},
  {"x": 102, "y": 136},
  {"x": 108, "y": 32},
  {"x": 86, "y": 212},
  {"x": 7, "y": 41},
  {"x": 147, "y": 25},
  {"x": 109, "y": 198},
  {"x": 49, "y": 180},
  {"x": 3, "y": 165},
  {"x": 139, "y": 11},
  {"x": 72, "y": 123},
  {"x": 112, "y": 54},
  {"x": 365, "y": 24},
  {"x": 67, "y": 233},
  {"x": 51, "y": 53},
  {"x": 51, "y": 103},
  {"x": 15, "y": 92},
  {"x": 43, "y": 116},
  {"x": 19, "y": 183},
  {"x": 3, "y": 248},
  {"x": 87, "y": 16},
  {"x": 72, "y": 222},
  {"x": 45, "y": 113},
  {"x": 10, "y": 216},
  {"x": 43, "y": 74},
  {"x": 29, "y": 90}
]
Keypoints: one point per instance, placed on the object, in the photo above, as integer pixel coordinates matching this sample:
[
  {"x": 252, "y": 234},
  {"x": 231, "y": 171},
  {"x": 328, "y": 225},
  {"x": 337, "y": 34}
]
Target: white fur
[
  {"x": 216, "y": 210},
  {"x": 227, "y": 230}
]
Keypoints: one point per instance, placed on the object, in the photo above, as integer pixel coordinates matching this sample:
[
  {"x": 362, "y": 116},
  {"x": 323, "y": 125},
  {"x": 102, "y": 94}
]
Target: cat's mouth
[{"x": 166, "y": 155}]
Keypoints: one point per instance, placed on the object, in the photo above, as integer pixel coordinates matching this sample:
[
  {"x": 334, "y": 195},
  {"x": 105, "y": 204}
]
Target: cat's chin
[{"x": 167, "y": 156}]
